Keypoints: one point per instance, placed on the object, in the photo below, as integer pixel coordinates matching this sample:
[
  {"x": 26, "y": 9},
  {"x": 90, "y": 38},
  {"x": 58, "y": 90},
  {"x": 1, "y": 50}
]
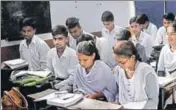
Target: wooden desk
[
  {"x": 94, "y": 104},
  {"x": 163, "y": 89},
  {"x": 85, "y": 103}
]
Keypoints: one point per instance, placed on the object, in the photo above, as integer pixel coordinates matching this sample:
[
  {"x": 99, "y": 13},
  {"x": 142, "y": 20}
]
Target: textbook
[
  {"x": 64, "y": 99},
  {"x": 16, "y": 63}
]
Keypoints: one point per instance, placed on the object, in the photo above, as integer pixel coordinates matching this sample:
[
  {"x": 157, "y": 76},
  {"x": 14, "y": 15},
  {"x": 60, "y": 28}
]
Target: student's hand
[
  {"x": 91, "y": 96},
  {"x": 116, "y": 102},
  {"x": 123, "y": 108}
]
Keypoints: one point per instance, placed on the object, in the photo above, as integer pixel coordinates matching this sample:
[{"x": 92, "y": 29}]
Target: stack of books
[{"x": 16, "y": 63}]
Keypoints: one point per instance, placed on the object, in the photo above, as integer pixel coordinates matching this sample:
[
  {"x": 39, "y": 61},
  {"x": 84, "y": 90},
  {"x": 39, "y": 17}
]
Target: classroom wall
[{"x": 89, "y": 13}]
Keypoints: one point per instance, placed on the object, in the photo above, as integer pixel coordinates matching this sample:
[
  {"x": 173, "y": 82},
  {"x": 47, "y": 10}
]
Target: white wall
[{"x": 89, "y": 13}]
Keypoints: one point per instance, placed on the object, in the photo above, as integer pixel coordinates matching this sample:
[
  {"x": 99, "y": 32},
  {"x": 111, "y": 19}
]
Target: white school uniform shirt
[
  {"x": 146, "y": 41},
  {"x": 65, "y": 65},
  {"x": 151, "y": 30},
  {"x": 141, "y": 91},
  {"x": 104, "y": 46},
  {"x": 167, "y": 59},
  {"x": 161, "y": 37},
  {"x": 113, "y": 34},
  {"x": 35, "y": 54},
  {"x": 72, "y": 41}
]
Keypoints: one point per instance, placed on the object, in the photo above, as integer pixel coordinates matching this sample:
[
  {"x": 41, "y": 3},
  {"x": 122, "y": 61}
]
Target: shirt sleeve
[
  {"x": 49, "y": 62},
  {"x": 43, "y": 50},
  {"x": 20, "y": 49},
  {"x": 154, "y": 32},
  {"x": 72, "y": 69},
  {"x": 152, "y": 91},
  {"x": 141, "y": 52},
  {"x": 158, "y": 39},
  {"x": 161, "y": 61}
]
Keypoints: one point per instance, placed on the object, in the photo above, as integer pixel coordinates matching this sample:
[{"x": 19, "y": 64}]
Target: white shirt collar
[
  {"x": 65, "y": 53},
  {"x": 34, "y": 39}
]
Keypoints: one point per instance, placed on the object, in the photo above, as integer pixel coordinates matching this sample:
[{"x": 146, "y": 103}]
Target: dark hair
[
  {"x": 135, "y": 19},
  {"x": 107, "y": 16},
  {"x": 88, "y": 48},
  {"x": 72, "y": 22},
  {"x": 29, "y": 21},
  {"x": 142, "y": 19},
  {"x": 59, "y": 29},
  {"x": 124, "y": 35},
  {"x": 173, "y": 25},
  {"x": 126, "y": 48},
  {"x": 85, "y": 37},
  {"x": 169, "y": 16}
]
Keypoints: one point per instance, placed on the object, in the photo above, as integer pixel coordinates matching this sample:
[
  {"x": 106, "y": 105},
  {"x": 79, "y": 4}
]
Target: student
[
  {"x": 32, "y": 48},
  {"x": 137, "y": 81},
  {"x": 85, "y": 37},
  {"x": 61, "y": 59},
  {"x": 75, "y": 31},
  {"x": 105, "y": 50},
  {"x": 167, "y": 59},
  {"x": 110, "y": 33},
  {"x": 94, "y": 78},
  {"x": 147, "y": 26},
  {"x": 125, "y": 35},
  {"x": 161, "y": 38},
  {"x": 141, "y": 37},
  {"x": 110, "y": 30}
]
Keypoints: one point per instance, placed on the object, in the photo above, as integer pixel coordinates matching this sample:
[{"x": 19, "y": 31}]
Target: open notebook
[
  {"x": 64, "y": 100},
  {"x": 16, "y": 63}
]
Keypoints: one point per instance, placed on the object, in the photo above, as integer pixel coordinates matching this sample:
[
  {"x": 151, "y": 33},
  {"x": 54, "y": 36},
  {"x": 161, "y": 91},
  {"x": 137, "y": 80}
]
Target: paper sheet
[{"x": 135, "y": 105}]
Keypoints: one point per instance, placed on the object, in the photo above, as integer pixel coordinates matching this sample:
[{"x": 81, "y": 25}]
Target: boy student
[
  {"x": 110, "y": 33},
  {"x": 161, "y": 38},
  {"x": 61, "y": 59},
  {"x": 75, "y": 31},
  {"x": 141, "y": 37},
  {"x": 32, "y": 48},
  {"x": 147, "y": 26},
  {"x": 125, "y": 35},
  {"x": 110, "y": 30}
]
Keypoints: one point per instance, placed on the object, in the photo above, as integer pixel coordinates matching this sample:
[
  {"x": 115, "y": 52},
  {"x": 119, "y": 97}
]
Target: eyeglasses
[
  {"x": 172, "y": 33},
  {"x": 122, "y": 63}
]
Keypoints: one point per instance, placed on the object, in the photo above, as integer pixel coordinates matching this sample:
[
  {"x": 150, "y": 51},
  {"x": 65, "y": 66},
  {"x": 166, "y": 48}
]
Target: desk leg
[
  {"x": 162, "y": 98},
  {"x": 35, "y": 106},
  {"x": 173, "y": 95}
]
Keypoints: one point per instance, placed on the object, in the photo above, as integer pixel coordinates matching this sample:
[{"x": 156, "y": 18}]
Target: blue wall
[
  {"x": 153, "y": 9},
  {"x": 171, "y": 6}
]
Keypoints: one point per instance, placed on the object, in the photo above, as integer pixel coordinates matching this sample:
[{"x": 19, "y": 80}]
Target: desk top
[
  {"x": 94, "y": 104},
  {"x": 85, "y": 103}
]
